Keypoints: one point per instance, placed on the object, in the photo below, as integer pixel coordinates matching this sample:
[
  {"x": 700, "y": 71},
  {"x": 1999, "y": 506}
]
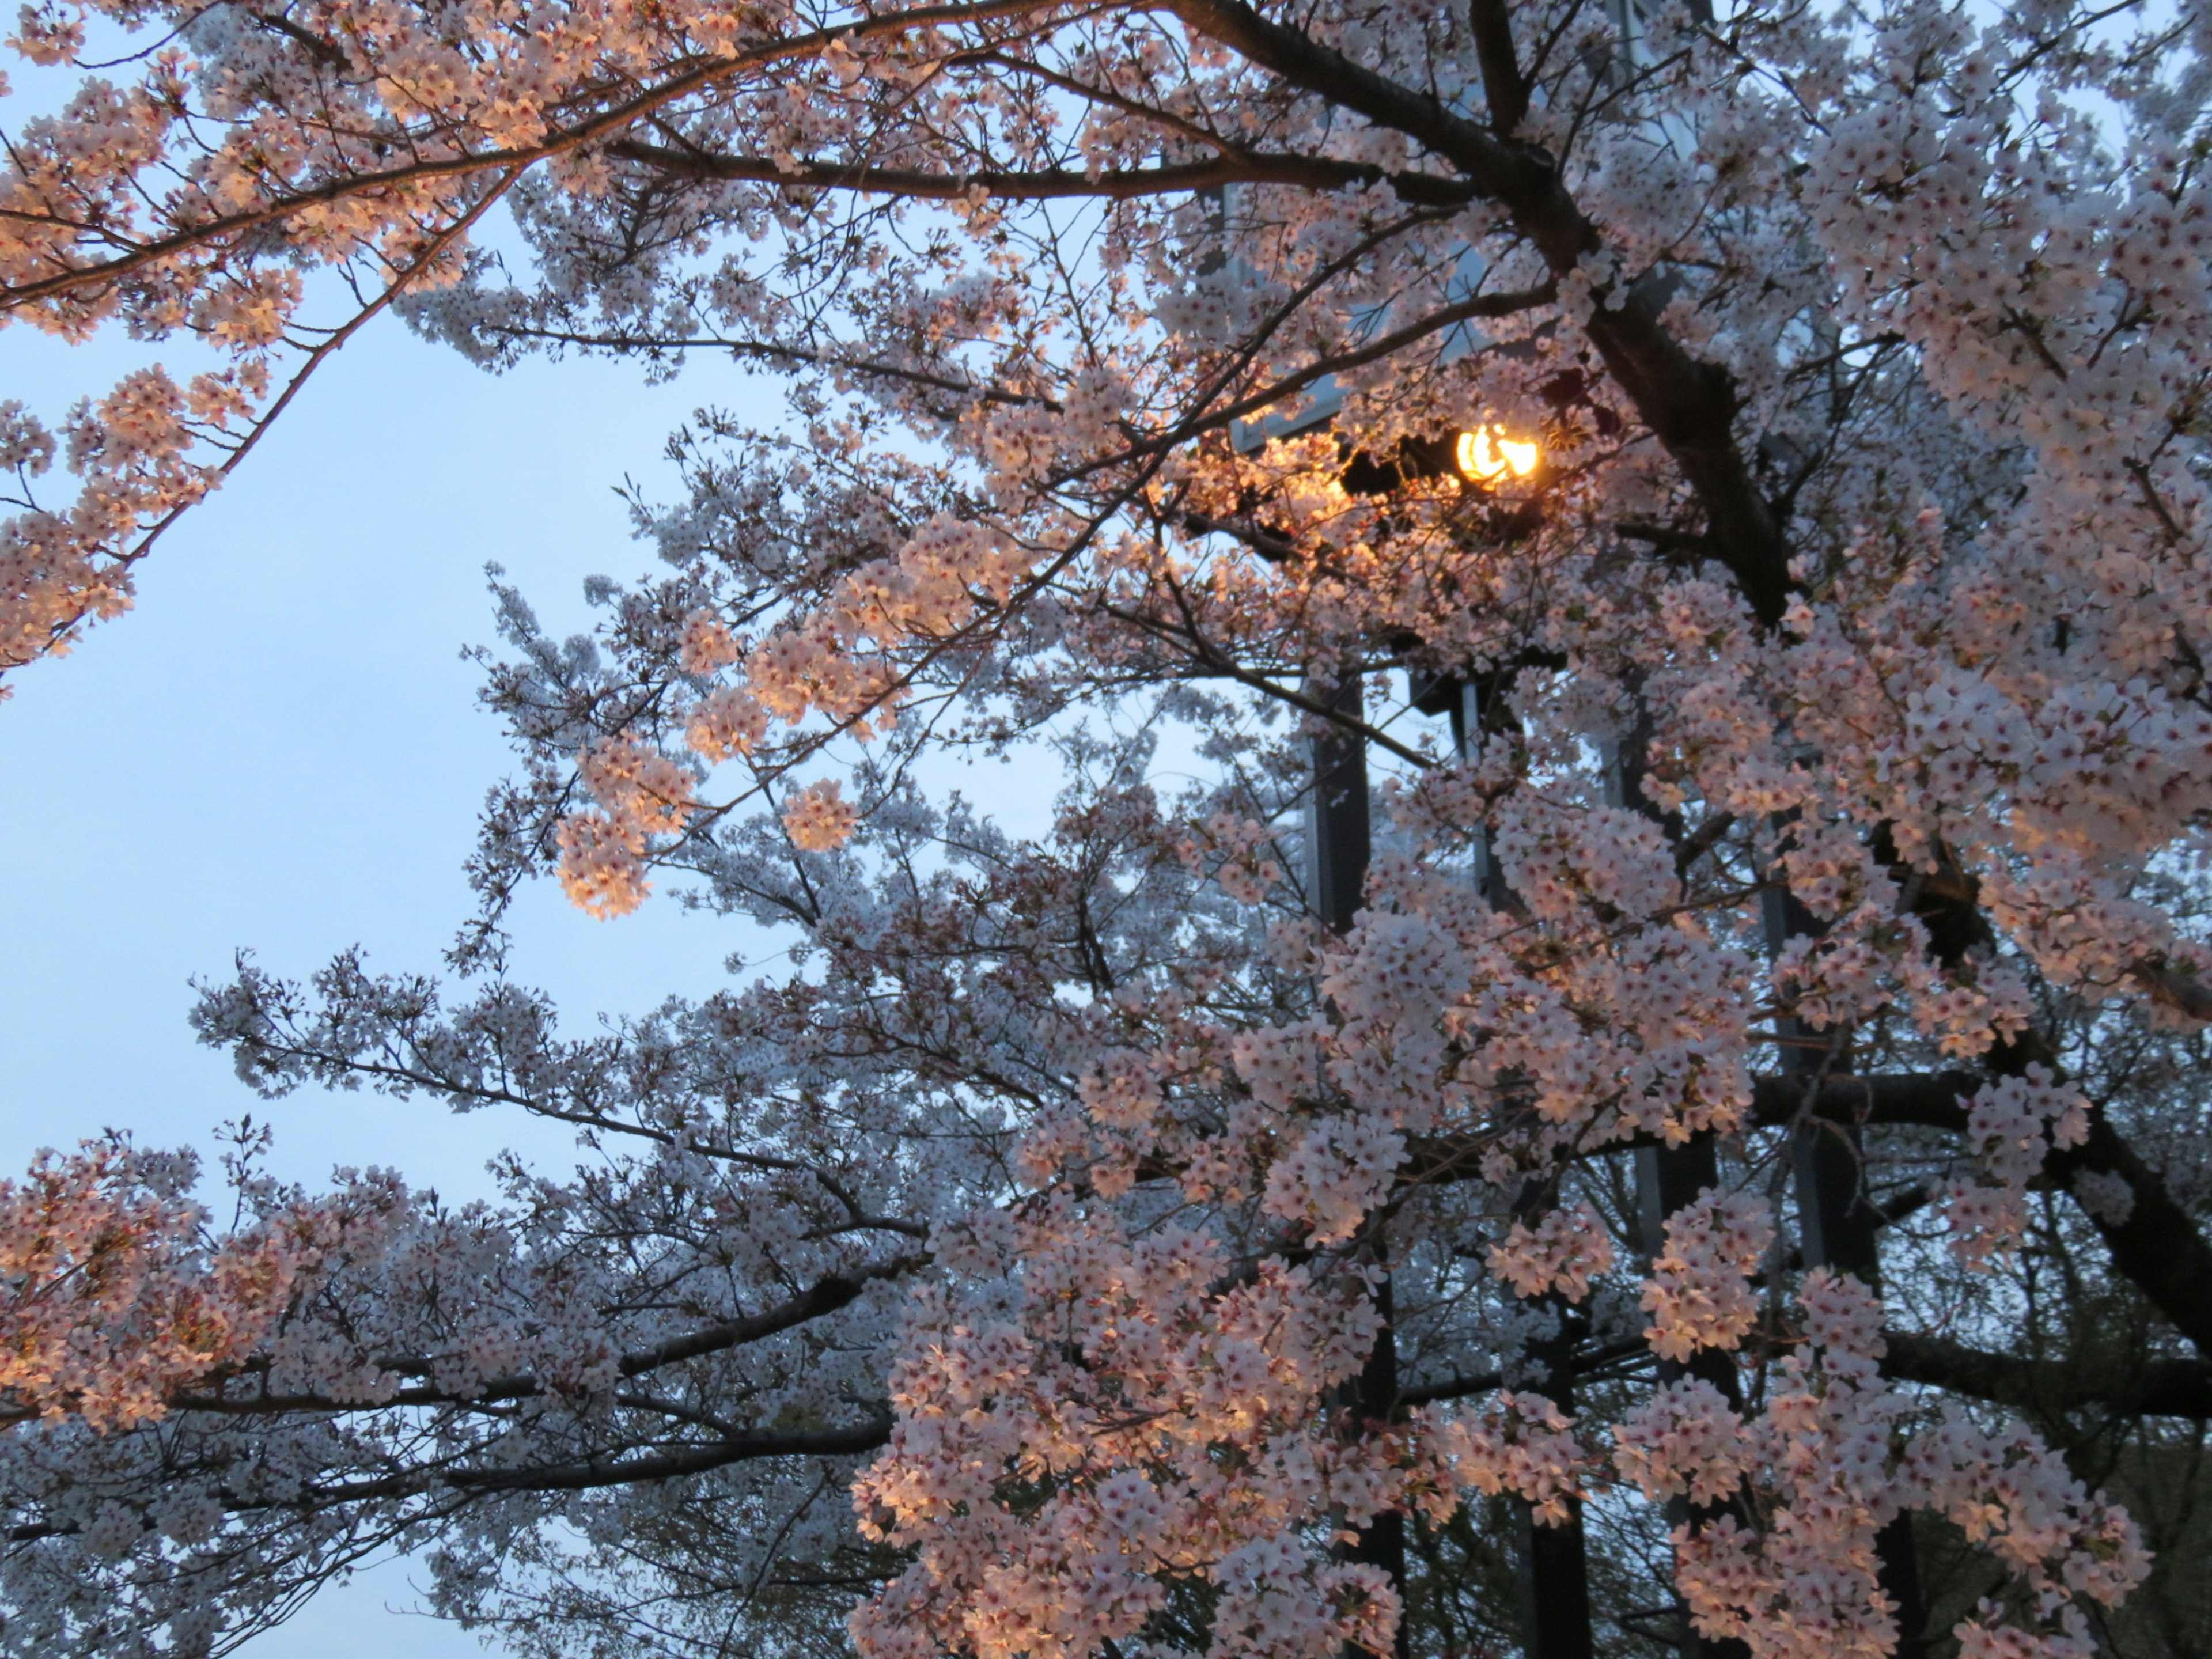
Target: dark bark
[
  {"x": 1928, "y": 1100},
  {"x": 2156, "y": 1244},
  {"x": 826, "y": 1296},
  {"x": 1504, "y": 87},
  {"x": 586, "y": 1473},
  {"x": 1114, "y": 184},
  {"x": 2161, "y": 1388}
]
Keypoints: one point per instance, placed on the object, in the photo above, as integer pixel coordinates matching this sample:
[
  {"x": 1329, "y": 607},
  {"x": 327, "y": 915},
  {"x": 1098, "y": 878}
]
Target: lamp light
[{"x": 1487, "y": 454}]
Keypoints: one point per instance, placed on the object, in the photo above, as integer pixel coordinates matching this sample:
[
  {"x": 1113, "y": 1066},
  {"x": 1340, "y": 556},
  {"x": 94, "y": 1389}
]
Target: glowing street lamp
[{"x": 1487, "y": 455}]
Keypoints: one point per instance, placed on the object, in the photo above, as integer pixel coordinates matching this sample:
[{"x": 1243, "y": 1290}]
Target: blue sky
[{"x": 280, "y": 749}]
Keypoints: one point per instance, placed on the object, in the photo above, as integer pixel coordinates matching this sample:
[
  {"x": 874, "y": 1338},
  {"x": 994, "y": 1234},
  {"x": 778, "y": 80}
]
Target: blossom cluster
[
  {"x": 2012, "y": 1124},
  {"x": 640, "y": 793},
  {"x": 1833, "y": 679},
  {"x": 111, "y": 1297}
]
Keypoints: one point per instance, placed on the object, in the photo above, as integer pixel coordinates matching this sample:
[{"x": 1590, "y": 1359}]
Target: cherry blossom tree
[{"x": 1672, "y": 1125}]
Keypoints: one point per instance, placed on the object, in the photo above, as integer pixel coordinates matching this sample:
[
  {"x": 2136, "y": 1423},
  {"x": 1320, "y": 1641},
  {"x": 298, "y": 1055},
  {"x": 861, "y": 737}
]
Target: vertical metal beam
[
  {"x": 1374, "y": 1395},
  {"x": 1553, "y": 1561},
  {"x": 1667, "y": 1179},
  {"x": 1471, "y": 711},
  {"x": 1554, "y": 1584},
  {"x": 1839, "y": 1226},
  {"x": 1552, "y": 1564},
  {"x": 1340, "y": 845},
  {"x": 1338, "y": 841}
]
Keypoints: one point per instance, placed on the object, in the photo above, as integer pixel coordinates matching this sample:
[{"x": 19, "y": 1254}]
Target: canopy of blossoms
[{"x": 1711, "y": 1130}]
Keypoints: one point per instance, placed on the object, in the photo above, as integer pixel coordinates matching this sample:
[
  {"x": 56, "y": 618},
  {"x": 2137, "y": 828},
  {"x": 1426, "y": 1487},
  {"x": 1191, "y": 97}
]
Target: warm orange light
[{"x": 1489, "y": 455}]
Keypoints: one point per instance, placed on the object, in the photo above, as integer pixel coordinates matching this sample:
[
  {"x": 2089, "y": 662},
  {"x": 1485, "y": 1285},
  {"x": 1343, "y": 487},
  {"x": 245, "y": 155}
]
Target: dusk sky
[{"x": 280, "y": 751}]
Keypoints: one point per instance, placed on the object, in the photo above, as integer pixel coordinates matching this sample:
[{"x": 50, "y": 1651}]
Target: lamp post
[
  {"x": 1552, "y": 1562},
  {"x": 1555, "y": 1574}
]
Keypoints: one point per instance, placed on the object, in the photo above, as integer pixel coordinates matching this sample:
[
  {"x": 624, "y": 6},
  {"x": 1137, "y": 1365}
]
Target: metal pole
[
  {"x": 1339, "y": 846},
  {"x": 1552, "y": 1563},
  {"x": 1838, "y": 1224},
  {"x": 1668, "y": 1179},
  {"x": 1338, "y": 815}
]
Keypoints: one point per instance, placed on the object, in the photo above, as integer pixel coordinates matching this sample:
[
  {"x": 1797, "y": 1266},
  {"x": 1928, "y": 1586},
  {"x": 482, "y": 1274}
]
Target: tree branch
[
  {"x": 2163, "y": 1388},
  {"x": 698, "y": 75},
  {"x": 826, "y": 1296},
  {"x": 2184, "y": 992},
  {"x": 1502, "y": 83},
  {"x": 1931, "y": 1100},
  {"x": 1113, "y": 183},
  {"x": 618, "y": 1471},
  {"x": 2156, "y": 1244}
]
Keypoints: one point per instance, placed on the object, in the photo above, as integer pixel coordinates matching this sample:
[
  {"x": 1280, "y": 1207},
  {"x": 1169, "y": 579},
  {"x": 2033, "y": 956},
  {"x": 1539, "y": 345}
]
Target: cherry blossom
[{"x": 1630, "y": 1018}]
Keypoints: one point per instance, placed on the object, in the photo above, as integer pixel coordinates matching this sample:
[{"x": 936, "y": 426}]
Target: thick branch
[
  {"x": 2157, "y": 1244},
  {"x": 1502, "y": 83},
  {"x": 2163, "y": 1388},
  {"x": 1928, "y": 1100},
  {"x": 2181, "y": 992},
  {"x": 1116, "y": 183},
  {"x": 827, "y": 1296},
  {"x": 673, "y": 1464},
  {"x": 577, "y": 1475}
]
